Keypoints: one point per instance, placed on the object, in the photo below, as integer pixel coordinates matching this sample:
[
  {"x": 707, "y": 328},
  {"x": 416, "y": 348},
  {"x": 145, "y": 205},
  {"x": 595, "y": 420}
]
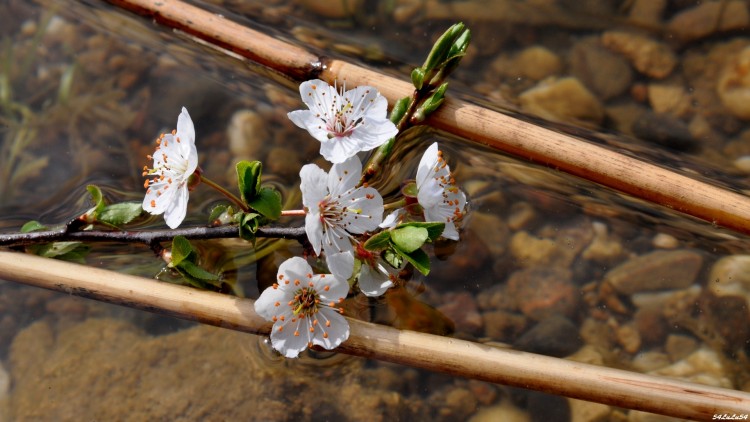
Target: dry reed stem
[{"x": 436, "y": 353}]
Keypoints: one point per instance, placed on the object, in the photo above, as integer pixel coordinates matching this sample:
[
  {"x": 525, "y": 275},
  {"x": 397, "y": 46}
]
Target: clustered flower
[{"x": 305, "y": 308}]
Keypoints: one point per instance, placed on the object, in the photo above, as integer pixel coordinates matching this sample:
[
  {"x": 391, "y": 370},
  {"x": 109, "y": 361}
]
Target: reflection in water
[{"x": 544, "y": 257}]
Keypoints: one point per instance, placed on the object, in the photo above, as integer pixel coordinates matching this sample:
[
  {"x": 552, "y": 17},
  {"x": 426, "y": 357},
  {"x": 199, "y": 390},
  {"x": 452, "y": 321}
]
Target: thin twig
[
  {"x": 442, "y": 354},
  {"x": 147, "y": 237}
]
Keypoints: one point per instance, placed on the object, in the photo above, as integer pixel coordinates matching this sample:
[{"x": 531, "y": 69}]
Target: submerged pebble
[
  {"x": 563, "y": 100},
  {"x": 660, "y": 270}
]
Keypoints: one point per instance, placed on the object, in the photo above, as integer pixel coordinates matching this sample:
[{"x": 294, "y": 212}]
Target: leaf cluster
[{"x": 404, "y": 242}]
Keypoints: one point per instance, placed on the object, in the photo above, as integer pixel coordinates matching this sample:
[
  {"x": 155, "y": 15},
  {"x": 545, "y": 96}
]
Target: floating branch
[
  {"x": 441, "y": 354},
  {"x": 525, "y": 140}
]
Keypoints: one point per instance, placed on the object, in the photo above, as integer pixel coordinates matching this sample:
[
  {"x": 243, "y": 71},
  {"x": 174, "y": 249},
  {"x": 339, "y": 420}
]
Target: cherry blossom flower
[
  {"x": 304, "y": 308},
  {"x": 437, "y": 193},
  {"x": 335, "y": 209},
  {"x": 345, "y": 122},
  {"x": 175, "y": 160},
  {"x": 375, "y": 275}
]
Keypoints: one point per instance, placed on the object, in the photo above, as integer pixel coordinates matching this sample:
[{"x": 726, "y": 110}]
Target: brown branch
[
  {"x": 477, "y": 124},
  {"x": 442, "y": 354}
]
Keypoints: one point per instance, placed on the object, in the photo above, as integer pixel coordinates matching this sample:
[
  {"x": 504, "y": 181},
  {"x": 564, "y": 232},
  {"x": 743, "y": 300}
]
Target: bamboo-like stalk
[
  {"x": 436, "y": 353},
  {"x": 560, "y": 151}
]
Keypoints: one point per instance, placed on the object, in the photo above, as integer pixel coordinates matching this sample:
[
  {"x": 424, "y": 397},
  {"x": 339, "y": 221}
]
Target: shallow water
[{"x": 528, "y": 272}]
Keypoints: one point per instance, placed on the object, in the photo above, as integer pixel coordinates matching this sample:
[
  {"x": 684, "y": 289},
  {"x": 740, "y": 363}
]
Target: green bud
[
  {"x": 443, "y": 46},
  {"x": 399, "y": 109},
  {"x": 434, "y": 101},
  {"x": 417, "y": 77}
]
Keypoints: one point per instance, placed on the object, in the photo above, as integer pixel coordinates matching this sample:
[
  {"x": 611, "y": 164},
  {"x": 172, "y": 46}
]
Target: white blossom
[
  {"x": 335, "y": 209},
  {"x": 305, "y": 308},
  {"x": 437, "y": 193},
  {"x": 375, "y": 275},
  {"x": 175, "y": 160},
  {"x": 345, "y": 122}
]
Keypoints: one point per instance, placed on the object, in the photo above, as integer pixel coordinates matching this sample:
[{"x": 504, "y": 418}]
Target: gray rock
[
  {"x": 602, "y": 71},
  {"x": 660, "y": 270},
  {"x": 554, "y": 336}
]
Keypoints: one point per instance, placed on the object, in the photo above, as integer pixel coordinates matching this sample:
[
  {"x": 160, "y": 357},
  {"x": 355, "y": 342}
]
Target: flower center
[{"x": 305, "y": 302}]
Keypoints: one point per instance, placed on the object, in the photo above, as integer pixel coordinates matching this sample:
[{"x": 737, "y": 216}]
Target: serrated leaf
[
  {"x": 409, "y": 238},
  {"x": 378, "y": 242},
  {"x": 181, "y": 250},
  {"x": 120, "y": 214},
  {"x": 434, "y": 229},
  {"x": 267, "y": 202},
  {"x": 32, "y": 226},
  {"x": 248, "y": 179},
  {"x": 418, "y": 258}
]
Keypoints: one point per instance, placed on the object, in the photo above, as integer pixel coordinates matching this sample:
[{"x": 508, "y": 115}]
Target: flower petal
[
  {"x": 185, "y": 128},
  {"x": 339, "y": 149},
  {"x": 285, "y": 341},
  {"x": 344, "y": 176},
  {"x": 273, "y": 302},
  {"x": 340, "y": 264},
  {"x": 374, "y": 281},
  {"x": 330, "y": 287},
  {"x": 306, "y": 119},
  {"x": 177, "y": 208},
  {"x": 314, "y": 230},
  {"x": 337, "y": 331},
  {"x": 313, "y": 182},
  {"x": 427, "y": 164}
]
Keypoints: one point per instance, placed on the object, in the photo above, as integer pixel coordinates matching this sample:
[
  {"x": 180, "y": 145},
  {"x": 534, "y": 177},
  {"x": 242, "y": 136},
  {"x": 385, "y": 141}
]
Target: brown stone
[{"x": 658, "y": 270}]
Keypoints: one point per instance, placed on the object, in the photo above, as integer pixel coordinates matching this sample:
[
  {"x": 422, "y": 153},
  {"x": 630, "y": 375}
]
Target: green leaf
[
  {"x": 434, "y": 101},
  {"x": 248, "y": 179},
  {"x": 249, "y": 223},
  {"x": 32, "y": 226},
  {"x": 59, "y": 249},
  {"x": 410, "y": 238},
  {"x": 267, "y": 202},
  {"x": 120, "y": 214},
  {"x": 197, "y": 272},
  {"x": 378, "y": 242},
  {"x": 97, "y": 198},
  {"x": 434, "y": 230},
  {"x": 181, "y": 250},
  {"x": 419, "y": 259}
]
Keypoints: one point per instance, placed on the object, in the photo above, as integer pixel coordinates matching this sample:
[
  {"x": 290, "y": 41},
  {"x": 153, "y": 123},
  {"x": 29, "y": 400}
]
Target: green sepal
[
  {"x": 378, "y": 242},
  {"x": 408, "y": 239},
  {"x": 267, "y": 202},
  {"x": 32, "y": 226},
  {"x": 417, "y": 77},
  {"x": 120, "y": 214},
  {"x": 418, "y": 258},
  {"x": 434, "y": 229},
  {"x": 399, "y": 109},
  {"x": 248, "y": 179},
  {"x": 410, "y": 190}
]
